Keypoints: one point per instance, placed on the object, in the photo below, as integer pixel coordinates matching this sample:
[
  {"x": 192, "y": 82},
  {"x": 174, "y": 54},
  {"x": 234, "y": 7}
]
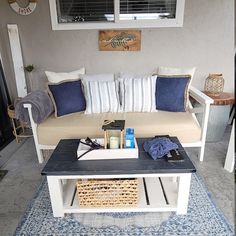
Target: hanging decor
[
  {"x": 23, "y": 10},
  {"x": 120, "y": 40}
]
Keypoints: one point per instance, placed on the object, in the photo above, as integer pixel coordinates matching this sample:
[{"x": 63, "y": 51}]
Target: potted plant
[{"x": 29, "y": 69}]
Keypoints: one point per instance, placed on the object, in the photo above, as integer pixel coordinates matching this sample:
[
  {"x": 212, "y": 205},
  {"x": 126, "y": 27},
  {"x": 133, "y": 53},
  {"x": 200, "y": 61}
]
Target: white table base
[{"x": 164, "y": 193}]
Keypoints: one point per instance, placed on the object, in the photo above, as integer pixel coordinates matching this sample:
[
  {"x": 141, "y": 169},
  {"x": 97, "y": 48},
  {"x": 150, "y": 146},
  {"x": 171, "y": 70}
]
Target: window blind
[
  {"x": 147, "y": 9},
  {"x": 85, "y": 10}
]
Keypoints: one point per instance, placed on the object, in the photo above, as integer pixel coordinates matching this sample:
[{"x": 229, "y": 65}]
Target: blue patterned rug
[{"x": 203, "y": 218}]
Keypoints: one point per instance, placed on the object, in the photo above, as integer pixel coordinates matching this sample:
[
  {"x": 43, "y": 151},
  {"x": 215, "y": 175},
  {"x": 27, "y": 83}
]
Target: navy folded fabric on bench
[
  {"x": 159, "y": 147},
  {"x": 42, "y": 107}
]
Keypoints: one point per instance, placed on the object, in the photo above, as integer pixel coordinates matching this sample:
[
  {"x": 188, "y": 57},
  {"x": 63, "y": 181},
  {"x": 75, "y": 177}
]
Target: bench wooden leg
[
  {"x": 201, "y": 152},
  {"x": 39, "y": 154}
]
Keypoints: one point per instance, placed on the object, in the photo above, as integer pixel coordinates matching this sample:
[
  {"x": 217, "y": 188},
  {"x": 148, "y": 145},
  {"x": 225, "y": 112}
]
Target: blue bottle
[{"x": 129, "y": 138}]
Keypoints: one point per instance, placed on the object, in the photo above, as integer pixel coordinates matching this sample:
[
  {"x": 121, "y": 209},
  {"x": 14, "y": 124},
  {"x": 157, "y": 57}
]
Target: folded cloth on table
[
  {"x": 159, "y": 147},
  {"x": 42, "y": 107}
]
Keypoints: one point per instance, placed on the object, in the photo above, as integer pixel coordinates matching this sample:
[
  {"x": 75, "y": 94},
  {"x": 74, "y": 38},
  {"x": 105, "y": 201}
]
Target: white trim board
[{"x": 17, "y": 59}]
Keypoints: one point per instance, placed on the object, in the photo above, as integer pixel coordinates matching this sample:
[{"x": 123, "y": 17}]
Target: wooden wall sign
[{"x": 119, "y": 40}]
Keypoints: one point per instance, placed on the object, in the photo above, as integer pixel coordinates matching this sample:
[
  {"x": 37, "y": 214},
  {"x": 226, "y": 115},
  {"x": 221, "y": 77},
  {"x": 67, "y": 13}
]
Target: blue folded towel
[{"x": 159, "y": 147}]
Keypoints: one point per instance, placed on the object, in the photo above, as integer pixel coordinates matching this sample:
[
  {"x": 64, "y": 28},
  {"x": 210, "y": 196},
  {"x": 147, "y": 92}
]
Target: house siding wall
[{"x": 206, "y": 41}]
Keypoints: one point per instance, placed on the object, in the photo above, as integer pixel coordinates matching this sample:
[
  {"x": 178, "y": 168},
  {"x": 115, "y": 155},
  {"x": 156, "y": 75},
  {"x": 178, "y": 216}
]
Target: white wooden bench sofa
[{"x": 184, "y": 125}]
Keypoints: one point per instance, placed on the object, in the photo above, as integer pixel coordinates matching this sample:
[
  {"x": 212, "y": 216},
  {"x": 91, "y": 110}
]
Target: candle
[{"x": 114, "y": 142}]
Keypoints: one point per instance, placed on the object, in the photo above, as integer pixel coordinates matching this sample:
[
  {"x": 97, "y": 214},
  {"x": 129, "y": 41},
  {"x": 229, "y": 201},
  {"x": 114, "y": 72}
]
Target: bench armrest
[
  {"x": 205, "y": 102},
  {"x": 200, "y": 96}
]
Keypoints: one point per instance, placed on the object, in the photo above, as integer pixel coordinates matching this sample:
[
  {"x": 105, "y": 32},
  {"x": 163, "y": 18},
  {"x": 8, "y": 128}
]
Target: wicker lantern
[{"x": 214, "y": 84}]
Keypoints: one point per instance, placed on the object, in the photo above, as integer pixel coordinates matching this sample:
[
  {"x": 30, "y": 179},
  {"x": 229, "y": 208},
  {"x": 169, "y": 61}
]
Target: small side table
[
  {"x": 20, "y": 130},
  {"x": 219, "y": 116}
]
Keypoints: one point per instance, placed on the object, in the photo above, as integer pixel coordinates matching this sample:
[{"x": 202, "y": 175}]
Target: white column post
[
  {"x": 56, "y": 195},
  {"x": 183, "y": 194},
  {"x": 17, "y": 59},
  {"x": 230, "y": 156}
]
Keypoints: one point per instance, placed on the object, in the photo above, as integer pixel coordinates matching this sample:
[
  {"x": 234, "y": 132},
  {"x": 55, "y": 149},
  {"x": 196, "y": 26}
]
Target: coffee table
[{"x": 166, "y": 187}]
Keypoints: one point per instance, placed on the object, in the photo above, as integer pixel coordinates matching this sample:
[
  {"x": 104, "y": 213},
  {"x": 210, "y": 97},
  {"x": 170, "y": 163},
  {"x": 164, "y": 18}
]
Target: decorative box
[{"x": 101, "y": 154}]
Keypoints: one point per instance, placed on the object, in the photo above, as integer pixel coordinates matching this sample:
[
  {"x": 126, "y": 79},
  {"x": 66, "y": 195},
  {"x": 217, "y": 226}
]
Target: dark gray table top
[{"x": 64, "y": 162}]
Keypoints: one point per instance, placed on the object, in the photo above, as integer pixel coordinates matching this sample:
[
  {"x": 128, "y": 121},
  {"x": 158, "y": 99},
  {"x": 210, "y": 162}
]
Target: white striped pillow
[
  {"x": 138, "y": 94},
  {"x": 101, "y": 96}
]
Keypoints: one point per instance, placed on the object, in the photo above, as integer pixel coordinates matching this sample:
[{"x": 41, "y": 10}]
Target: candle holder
[
  {"x": 113, "y": 125},
  {"x": 214, "y": 84}
]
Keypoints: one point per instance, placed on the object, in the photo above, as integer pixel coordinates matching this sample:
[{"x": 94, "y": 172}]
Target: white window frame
[{"x": 118, "y": 24}]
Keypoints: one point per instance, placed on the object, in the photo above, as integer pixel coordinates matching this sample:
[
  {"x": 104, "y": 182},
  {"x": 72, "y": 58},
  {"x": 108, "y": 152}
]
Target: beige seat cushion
[{"x": 79, "y": 125}]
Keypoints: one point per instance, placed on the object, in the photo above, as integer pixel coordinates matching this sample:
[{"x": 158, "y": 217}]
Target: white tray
[{"x": 102, "y": 154}]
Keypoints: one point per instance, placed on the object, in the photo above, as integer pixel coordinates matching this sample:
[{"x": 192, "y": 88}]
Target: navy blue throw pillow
[
  {"x": 171, "y": 93},
  {"x": 67, "y": 97}
]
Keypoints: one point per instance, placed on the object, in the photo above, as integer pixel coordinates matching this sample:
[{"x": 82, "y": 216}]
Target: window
[
  {"x": 110, "y": 14},
  {"x": 85, "y": 11},
  {"x": 147, "y": 10}
]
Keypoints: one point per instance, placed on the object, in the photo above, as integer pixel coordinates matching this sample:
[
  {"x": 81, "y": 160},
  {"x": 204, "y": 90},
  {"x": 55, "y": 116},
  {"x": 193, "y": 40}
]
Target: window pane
[
  {"x": 147, "y": 9},
  {"x": 85, "y": 10}
]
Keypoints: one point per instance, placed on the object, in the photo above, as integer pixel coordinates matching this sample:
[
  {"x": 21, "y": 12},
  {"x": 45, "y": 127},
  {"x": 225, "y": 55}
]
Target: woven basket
[
  {"x": 214, "y": 84},
  {"x": 108, "y": 192}
]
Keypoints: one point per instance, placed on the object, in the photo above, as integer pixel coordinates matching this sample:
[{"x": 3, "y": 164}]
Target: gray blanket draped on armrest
[{"x": 42, "y": 107}]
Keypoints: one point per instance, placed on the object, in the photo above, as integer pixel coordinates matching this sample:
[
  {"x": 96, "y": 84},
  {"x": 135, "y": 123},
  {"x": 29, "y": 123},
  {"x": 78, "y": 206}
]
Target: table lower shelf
[{"x": 155, "y": 194}]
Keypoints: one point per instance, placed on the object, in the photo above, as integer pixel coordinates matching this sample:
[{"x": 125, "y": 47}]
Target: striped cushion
[
  {"x": 101, "y": 96},
  {"x": 138, "y": 94}
]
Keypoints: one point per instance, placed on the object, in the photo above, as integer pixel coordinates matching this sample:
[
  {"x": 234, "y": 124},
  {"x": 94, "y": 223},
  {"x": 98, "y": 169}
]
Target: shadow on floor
[{"x": 2, "y": 174}]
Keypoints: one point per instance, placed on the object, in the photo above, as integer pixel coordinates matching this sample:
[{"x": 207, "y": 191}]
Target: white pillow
[
  {"x": 54, "y": 77},
  {"x": 162, "y": 70},
  {"x": 138, "y": 94},
  {"x": 98, "y": 77},
  {"x": 101, "y": 96}
]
